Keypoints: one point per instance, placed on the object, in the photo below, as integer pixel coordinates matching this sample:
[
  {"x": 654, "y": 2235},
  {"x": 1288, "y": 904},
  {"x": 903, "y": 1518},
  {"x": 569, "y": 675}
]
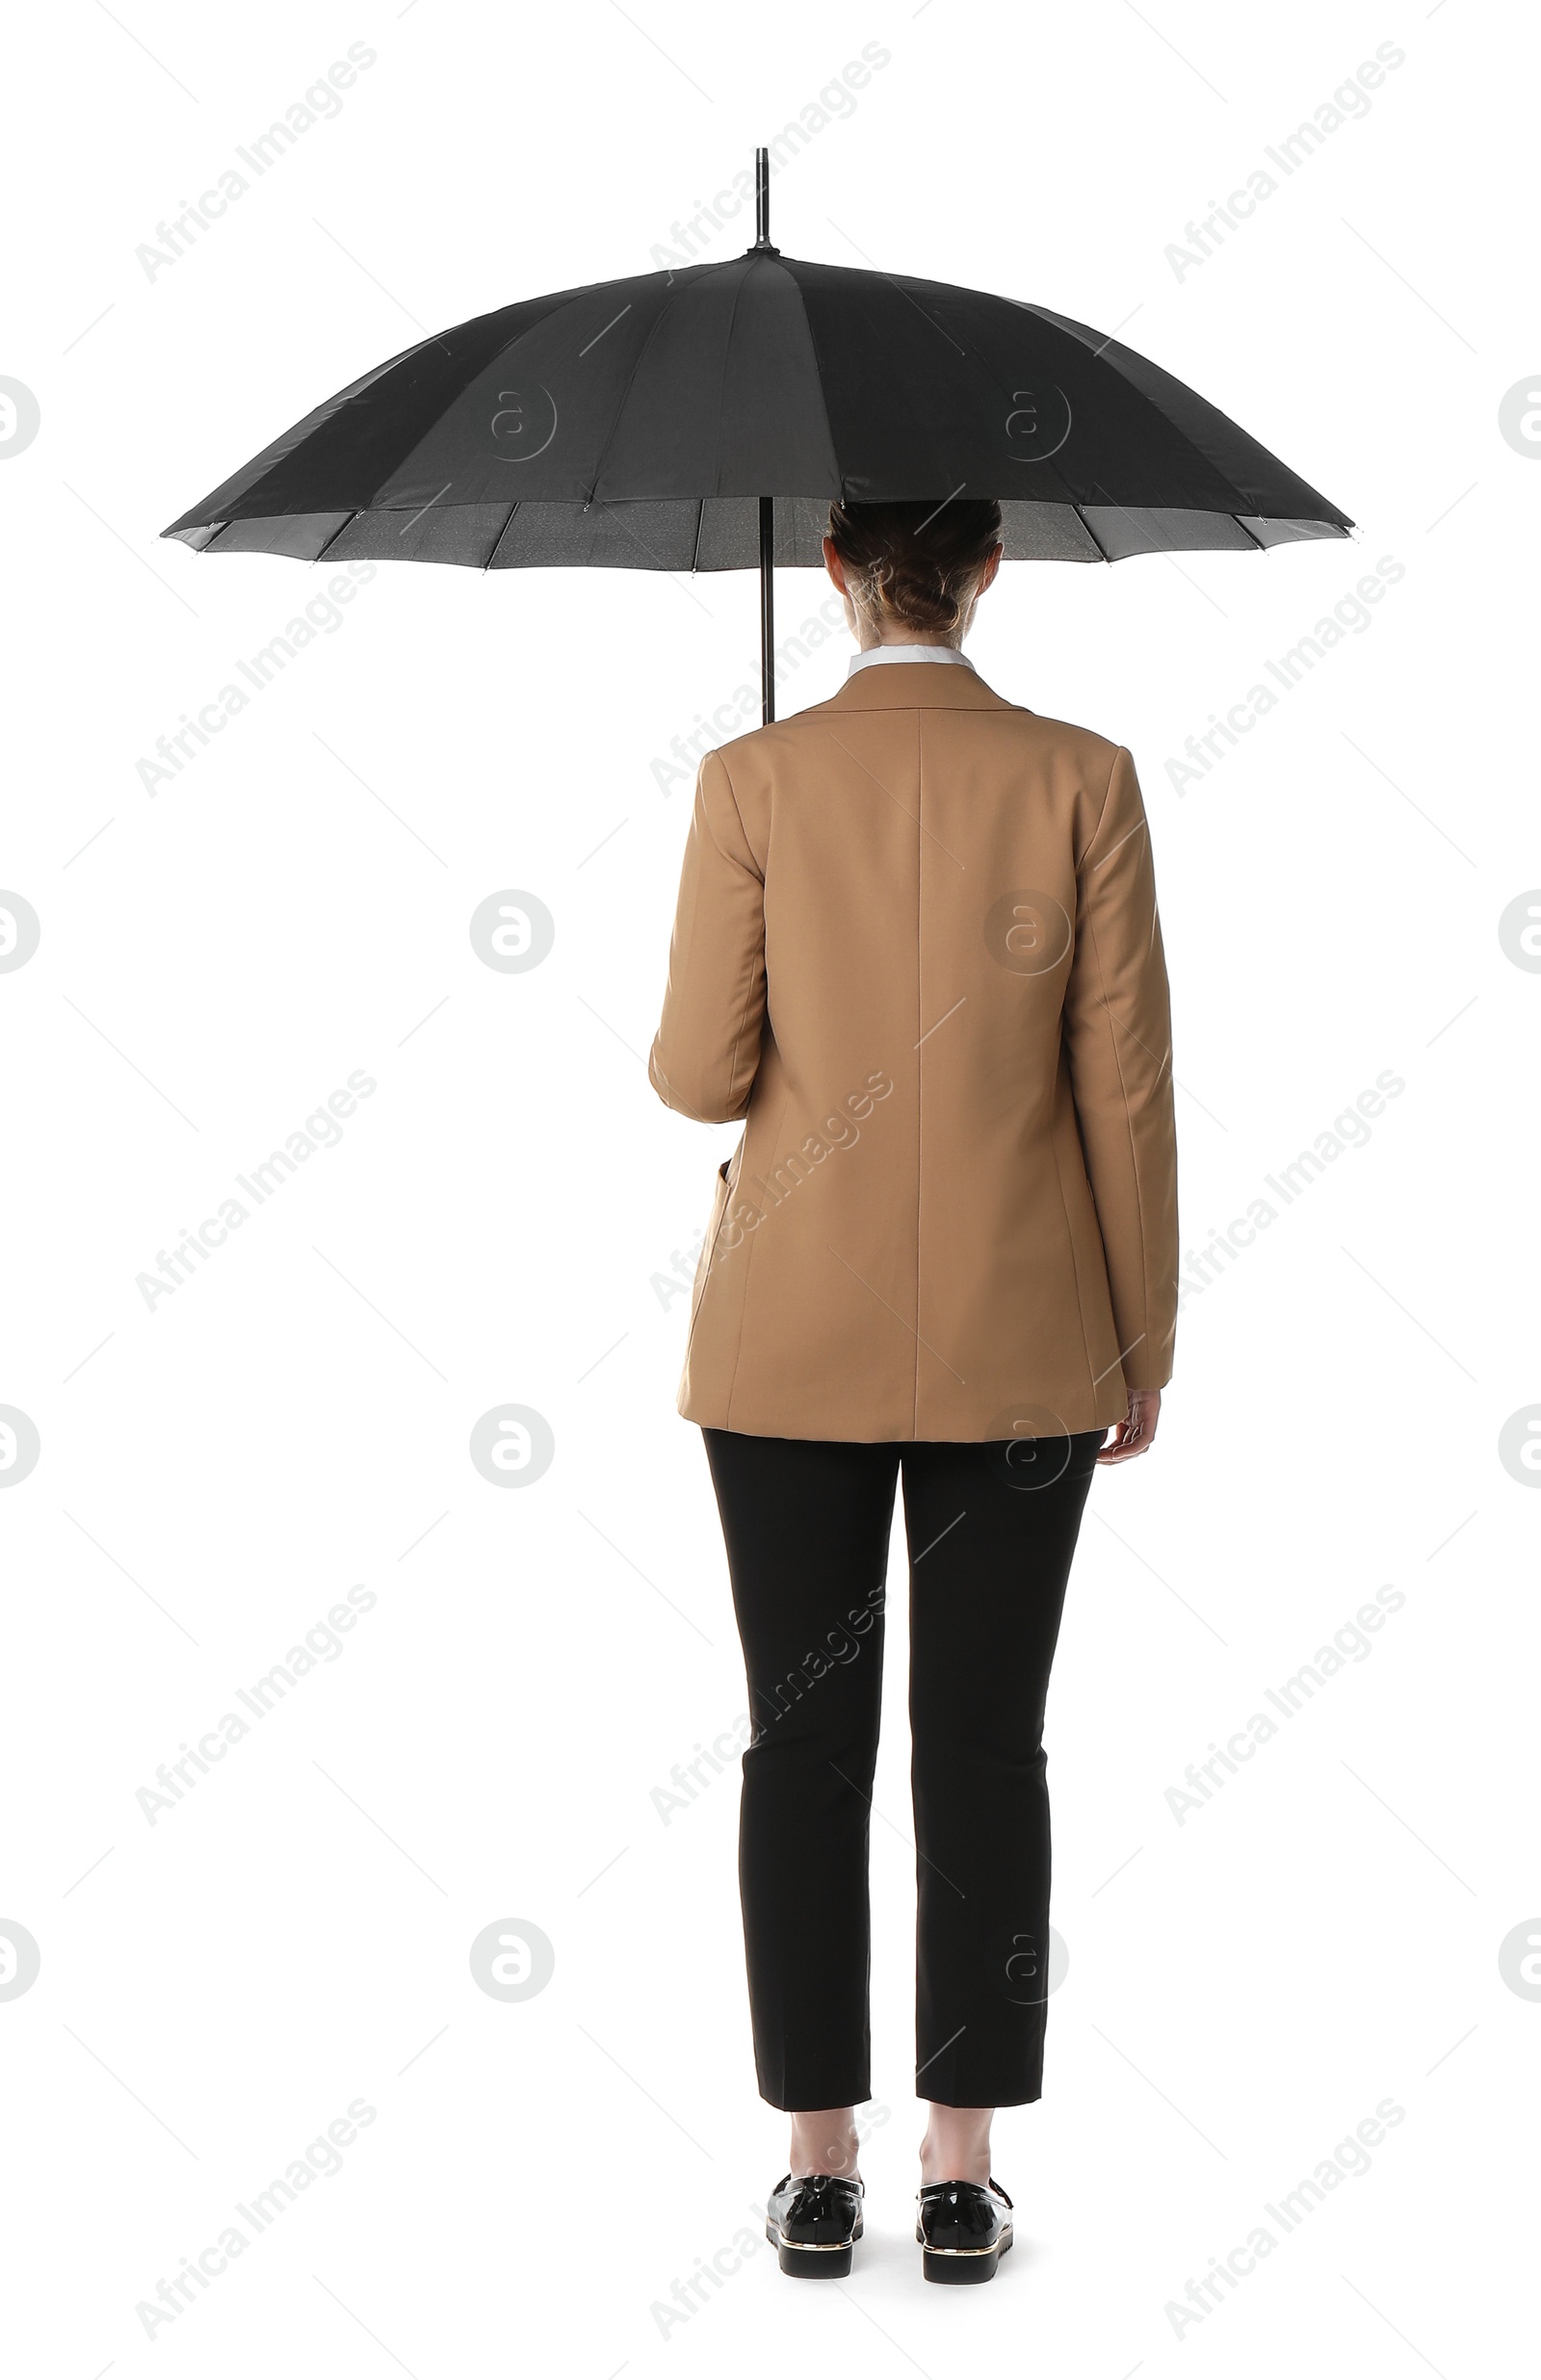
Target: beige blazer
[{"x": 917, "y": 950}]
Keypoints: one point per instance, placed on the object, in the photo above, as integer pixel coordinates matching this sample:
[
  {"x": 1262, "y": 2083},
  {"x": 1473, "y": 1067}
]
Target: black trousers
[{"x": 992, "y": 1528}]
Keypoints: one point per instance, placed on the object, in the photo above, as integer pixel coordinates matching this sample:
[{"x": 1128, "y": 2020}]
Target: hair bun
[{"x": 913, "y": 564}]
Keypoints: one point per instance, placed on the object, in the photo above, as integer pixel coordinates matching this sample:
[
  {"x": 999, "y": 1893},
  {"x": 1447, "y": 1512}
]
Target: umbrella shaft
[{"x": 768, "y": 624}]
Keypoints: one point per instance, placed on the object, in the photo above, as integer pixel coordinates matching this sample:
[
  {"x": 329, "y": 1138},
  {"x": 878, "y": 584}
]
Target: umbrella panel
[{"x": 717, "y": 533}]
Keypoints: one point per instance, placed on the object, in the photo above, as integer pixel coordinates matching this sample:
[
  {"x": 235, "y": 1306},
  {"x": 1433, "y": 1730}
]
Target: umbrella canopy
[{"x": 703, "y": 419}]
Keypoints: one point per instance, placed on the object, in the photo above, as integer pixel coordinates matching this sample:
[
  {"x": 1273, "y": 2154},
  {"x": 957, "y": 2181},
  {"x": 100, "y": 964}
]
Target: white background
[{"x": 1244, "y": 1987}]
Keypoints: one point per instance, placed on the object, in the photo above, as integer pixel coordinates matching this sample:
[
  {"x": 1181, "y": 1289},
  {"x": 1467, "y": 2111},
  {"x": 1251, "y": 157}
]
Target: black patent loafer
[
  {"x": 812, "y": 2222},
  {"x": 964, "y": 2230}
]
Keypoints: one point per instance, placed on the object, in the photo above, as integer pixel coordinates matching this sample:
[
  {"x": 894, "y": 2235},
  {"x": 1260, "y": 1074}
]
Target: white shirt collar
[{"x": 907, "y": 652}]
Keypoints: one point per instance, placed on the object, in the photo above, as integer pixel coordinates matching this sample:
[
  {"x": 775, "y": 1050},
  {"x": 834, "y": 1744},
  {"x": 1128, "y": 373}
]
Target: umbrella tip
[{"x": 761, "y": 206}]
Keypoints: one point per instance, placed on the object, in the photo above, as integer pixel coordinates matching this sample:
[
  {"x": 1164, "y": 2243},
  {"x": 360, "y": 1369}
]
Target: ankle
[
  {"x": 824, "y": 2141},
  {"x": 938, "y": 2165},
  {"x": 957, "y": 2147}
]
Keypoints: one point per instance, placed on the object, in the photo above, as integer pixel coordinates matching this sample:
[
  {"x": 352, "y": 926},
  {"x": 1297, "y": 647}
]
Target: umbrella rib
[
  {"x": 723, "y": 381},
  {"x": 374, "y": 383},
  {"x": 1081, "y": 334},
  {"x": 1086, "y": 524},
  {"x": 497, "y": 542},
  {"x": 824, "y": 394},
  {"x": 326, "y": 546},
  {"x": 631, "y": 382},
  {"x": 700, "y": 517},
  {"x": 818, "y": 379},
  {"x": 561, "y": 302},
  {"x": 1257, "y": 542},
  {"x": 541, "y": 321},
  {"x": 726, "y": 265}
]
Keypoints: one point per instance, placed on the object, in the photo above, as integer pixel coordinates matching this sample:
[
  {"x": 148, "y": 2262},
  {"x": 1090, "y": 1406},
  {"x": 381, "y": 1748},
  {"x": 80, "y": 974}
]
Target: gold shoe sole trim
[{"x": 1003, "y": 2241}]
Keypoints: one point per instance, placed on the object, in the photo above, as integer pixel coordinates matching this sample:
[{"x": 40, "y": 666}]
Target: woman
[{"x": 917, "y": 951}]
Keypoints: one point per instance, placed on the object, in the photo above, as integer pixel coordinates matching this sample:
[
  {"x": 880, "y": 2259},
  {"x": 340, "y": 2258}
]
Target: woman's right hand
[{"x": 1134, "y": 1434}]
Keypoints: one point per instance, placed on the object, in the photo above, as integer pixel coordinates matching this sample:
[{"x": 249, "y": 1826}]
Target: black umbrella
[{"x": 703, "y": 420}]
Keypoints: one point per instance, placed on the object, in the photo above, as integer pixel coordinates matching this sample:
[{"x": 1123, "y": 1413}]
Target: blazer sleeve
[
  {"x": 707, "y": 1048},
  {"x": 1117, "y": 1023}
]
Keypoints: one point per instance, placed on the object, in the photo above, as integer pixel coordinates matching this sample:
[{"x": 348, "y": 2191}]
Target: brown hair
[{"x": 913, "y": 564}]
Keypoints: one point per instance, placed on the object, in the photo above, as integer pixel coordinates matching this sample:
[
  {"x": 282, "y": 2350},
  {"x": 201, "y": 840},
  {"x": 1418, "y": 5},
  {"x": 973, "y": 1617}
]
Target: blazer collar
[{"x": 907, "y": 686}]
